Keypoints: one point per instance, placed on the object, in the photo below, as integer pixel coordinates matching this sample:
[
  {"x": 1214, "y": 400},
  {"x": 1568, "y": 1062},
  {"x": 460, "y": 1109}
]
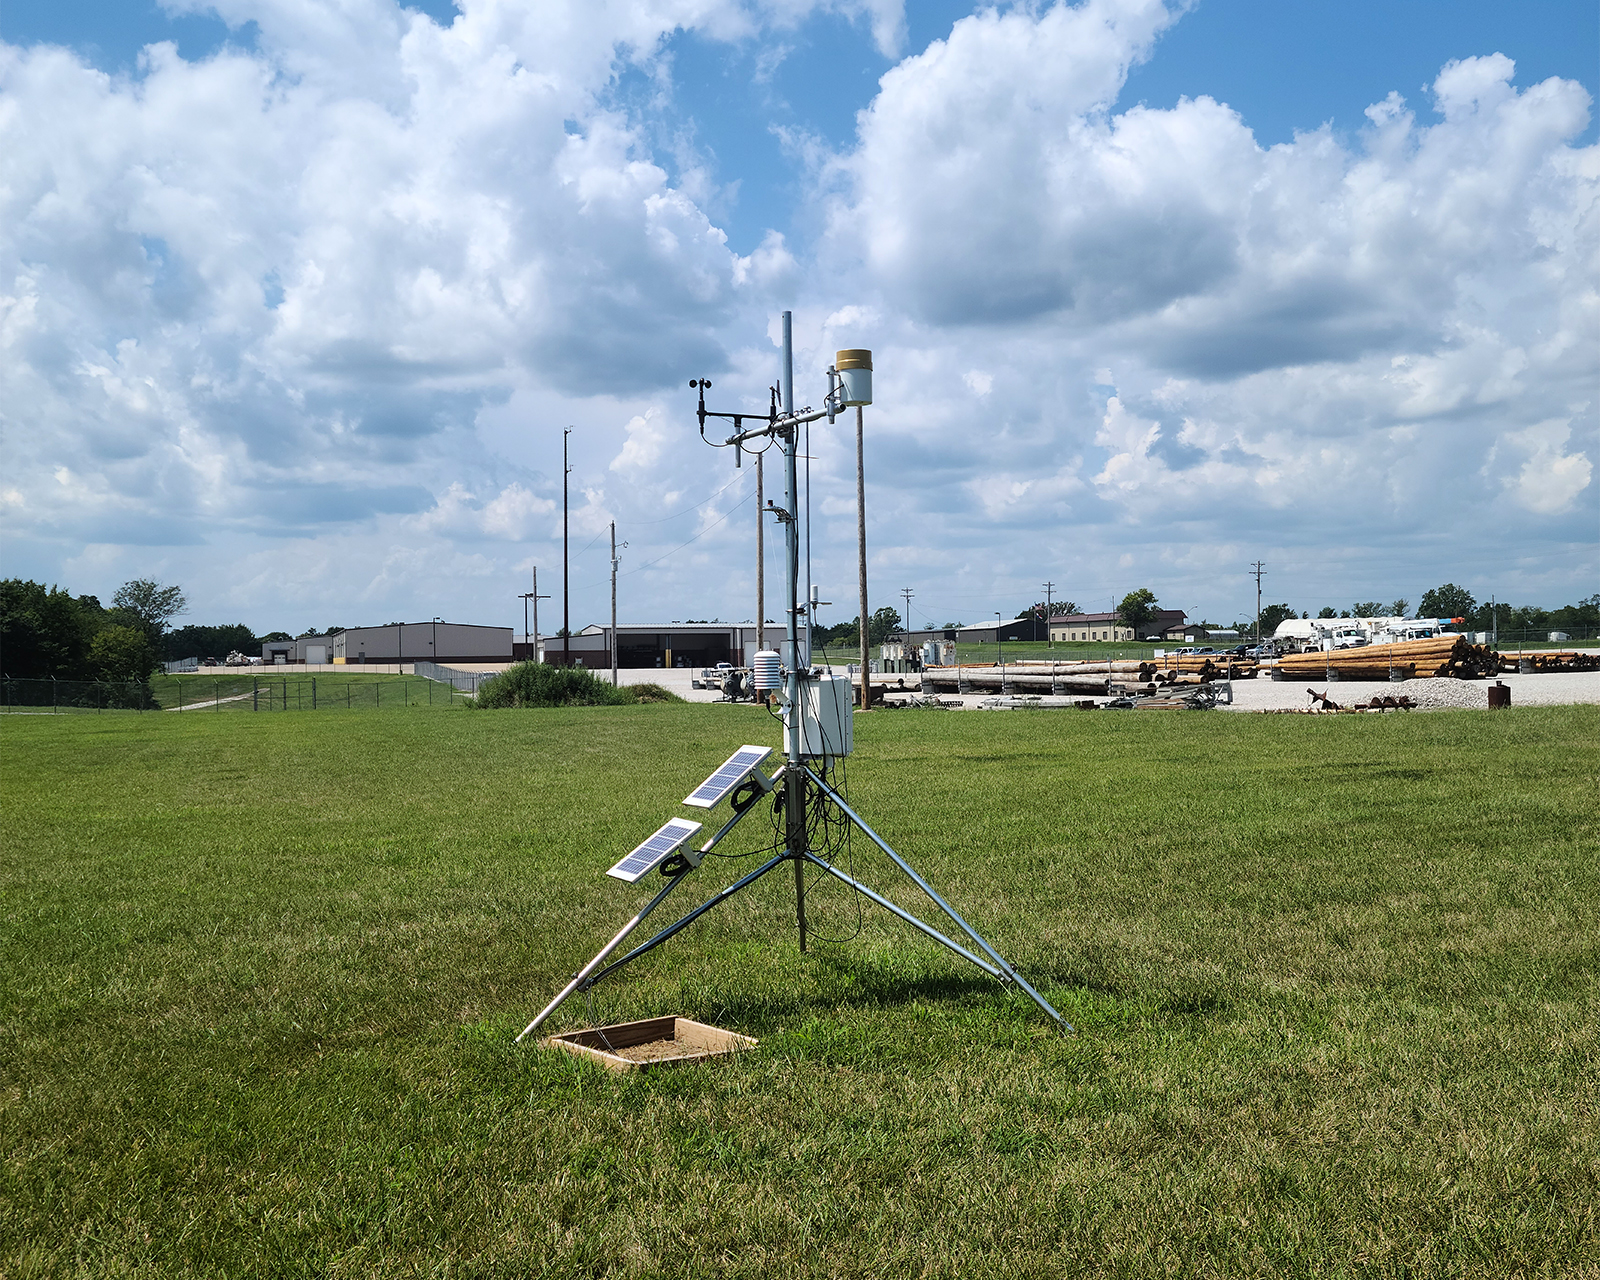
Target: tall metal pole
[
  {"x": 566, "y": 568},
  {"x": 761, "y": 553},
  {"x": 1049, "y": 608},
  {"x": 794, "y": 788},
  {"x": 861, "y": 560},
  {"x": 613, "y": 604}
]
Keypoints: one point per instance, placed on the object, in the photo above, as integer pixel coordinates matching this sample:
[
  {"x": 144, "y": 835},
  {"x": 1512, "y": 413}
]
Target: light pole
[
  {"x": 433, "y": 644},
  {"x": 1049, "y": 635},
  {"x": 566, "y": 618},
  {"x": 999, "y": 653}
]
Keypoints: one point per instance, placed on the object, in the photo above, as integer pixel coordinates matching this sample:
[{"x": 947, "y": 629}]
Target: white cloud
[
  {"x": 344, "y": 290},
  {"x": 1551, "y": 479}
]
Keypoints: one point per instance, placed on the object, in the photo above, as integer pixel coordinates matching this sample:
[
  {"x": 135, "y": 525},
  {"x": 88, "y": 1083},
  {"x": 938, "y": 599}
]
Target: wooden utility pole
[
  {"x": 861, "y": 558},
  {"x": 1258, "y": 568},
  {"x": 566, "y": 567}
]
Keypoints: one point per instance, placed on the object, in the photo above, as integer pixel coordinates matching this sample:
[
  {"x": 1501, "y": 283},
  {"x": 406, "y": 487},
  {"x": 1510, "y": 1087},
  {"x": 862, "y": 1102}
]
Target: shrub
[{"x": 538, "y": 684}]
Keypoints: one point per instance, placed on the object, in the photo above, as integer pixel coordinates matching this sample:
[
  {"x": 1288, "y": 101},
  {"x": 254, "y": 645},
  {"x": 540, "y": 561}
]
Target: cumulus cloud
[
  {"x": 350, "y": 283},
  {"x": 1334, "y": 329}
]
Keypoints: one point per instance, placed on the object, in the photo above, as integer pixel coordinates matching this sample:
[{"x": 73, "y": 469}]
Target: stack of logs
[
  {"x": 1551, "y": 660},
  {"x": 1433, "y": 656},
  {"x": 1090, "y": 677}
]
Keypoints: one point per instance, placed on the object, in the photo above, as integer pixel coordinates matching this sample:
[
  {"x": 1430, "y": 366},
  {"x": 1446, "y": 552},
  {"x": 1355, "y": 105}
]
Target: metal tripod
[{"x": 796, "y": 776}]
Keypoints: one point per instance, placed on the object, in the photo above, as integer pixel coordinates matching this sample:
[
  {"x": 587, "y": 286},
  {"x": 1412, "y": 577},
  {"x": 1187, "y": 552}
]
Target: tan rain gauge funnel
[{"x": 805, "y": 793}]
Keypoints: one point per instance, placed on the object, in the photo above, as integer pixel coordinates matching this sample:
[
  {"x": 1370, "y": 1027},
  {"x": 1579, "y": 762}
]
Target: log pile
[
  {"x": 1206, "y": 667},
  {"x": 1433, "y": 656},
  {"x": 1552, "y": 660}
]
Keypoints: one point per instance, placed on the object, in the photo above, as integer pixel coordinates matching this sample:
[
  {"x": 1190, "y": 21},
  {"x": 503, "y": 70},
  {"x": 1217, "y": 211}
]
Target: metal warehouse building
[
  {"x": 674, "y": 644},
  {"x": 444, "y": 642}
]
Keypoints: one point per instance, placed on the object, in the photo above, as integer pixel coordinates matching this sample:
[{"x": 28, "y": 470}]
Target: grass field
[{"x": 1336, "y": 980}]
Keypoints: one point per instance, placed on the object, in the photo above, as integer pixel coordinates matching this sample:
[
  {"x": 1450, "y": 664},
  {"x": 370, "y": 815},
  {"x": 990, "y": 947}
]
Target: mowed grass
[{"x": 1335, "y": 981}]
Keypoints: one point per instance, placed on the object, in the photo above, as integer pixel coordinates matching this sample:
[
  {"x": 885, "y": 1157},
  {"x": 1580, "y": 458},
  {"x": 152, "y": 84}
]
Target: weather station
[{"x": 804, "y": 795}]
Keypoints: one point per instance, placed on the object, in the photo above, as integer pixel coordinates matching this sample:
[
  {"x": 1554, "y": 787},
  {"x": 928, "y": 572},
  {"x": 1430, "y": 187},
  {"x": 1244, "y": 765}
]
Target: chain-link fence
[
  {"x": 227, "y": 694},
  {"x": 63, "y": 696}
]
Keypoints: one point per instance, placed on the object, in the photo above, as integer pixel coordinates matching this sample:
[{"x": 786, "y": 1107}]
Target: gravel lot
[
  {"x": 1550, "y": 689},
  {"x": 1263, "y": 694}
]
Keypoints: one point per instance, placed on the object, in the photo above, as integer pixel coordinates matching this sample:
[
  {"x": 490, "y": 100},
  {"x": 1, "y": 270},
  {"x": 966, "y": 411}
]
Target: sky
[{"x": 297, "y": 300}]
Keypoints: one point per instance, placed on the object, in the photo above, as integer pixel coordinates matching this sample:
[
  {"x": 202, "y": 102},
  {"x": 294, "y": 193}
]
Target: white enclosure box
[{"x": 825, "y": 716}]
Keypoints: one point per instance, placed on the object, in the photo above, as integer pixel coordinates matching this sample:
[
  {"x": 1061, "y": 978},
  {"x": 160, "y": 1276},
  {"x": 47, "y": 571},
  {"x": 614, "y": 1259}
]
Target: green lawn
[{"x": 1336, "y": 980}]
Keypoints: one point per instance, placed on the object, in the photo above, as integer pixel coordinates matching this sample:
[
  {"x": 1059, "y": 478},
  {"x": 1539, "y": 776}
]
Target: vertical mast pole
[
  {"x": 794, "y": 791},
  {"x": 536, "y": 657},
  {"x": 861, "y": 559}
]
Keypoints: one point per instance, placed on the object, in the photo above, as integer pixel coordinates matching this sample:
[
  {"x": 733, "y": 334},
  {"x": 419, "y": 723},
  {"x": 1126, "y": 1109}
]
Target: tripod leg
[
  {"x": 690, "y": 918},
  {"x": 599, "y": 959},
  {"x": 906, "y": 916},
  {"x": 1006, "y": 970}
]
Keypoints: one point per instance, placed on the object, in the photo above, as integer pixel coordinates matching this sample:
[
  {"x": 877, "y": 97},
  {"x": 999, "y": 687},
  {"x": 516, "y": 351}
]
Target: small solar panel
[
  {"x": 654, "y": 851},
  {"x": 729, "y": 775}
]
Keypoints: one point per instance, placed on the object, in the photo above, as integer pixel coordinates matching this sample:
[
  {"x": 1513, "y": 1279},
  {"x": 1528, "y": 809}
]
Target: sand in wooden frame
[{"x": 653, "y": 1042}]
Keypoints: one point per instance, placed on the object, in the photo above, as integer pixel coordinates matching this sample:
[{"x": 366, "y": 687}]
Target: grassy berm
[{"x": 1336, "y": 982}]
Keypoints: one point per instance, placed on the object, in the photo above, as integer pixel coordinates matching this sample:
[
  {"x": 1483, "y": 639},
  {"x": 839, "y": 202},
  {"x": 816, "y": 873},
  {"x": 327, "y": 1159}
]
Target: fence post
[
  {"x": 255, "y": 693},
  {"x": 286, "y": 693},
  {"x": 313, "y": 693},
  {"x": 216, "y": 694},
  {"x": 377, "y": 692}
]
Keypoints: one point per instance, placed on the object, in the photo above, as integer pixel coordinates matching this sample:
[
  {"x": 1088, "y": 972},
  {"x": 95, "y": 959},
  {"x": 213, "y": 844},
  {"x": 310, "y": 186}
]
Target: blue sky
[
  {"x": 321, "y": 292},
  {"x": 1284, "y": 65}
]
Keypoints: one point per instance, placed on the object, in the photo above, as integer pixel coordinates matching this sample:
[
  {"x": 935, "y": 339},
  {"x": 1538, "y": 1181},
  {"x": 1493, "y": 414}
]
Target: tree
[
  {"x": 1272, "y": 616},
  {"x": 1327, "y": 611},
  {"x": 1367, "y": 609},
  {"x": 1039, "y": 610},
  {"x": 1448, "y": 601},
  {"x": 883, "y": 624},
  {"x": 1137, "y": 609},
  {"x": 1399, "y": 607},
  {"x": 150, "y": 605},
  {"x": 45, "y": 632},
  {"x": 275, "y": 636},
  {"x": 122, "y": 653}
]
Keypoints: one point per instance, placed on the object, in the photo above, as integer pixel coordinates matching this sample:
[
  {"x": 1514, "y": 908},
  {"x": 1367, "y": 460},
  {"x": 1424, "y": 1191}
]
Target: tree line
[{"x": 47, "y": 632}]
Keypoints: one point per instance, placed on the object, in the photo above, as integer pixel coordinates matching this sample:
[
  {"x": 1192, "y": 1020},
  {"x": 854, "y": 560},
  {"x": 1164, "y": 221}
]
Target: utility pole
[
  {"x": 614, "y": 603},
  {"x": 861, "y": 563},
  {"x": 761, "y": 554},
  {"x": 566, "y": 568},
  {"x": 905, "y": 624},
  {"x": 1257, "y": 569},
  {"x": 1048, "y": 610}
]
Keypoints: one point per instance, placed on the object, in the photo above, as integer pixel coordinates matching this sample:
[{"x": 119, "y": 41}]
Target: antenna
[{"x": 817, "y": 733}]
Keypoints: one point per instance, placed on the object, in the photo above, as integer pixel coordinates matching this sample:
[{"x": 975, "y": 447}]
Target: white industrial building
[{"x": 400, "y": 642}]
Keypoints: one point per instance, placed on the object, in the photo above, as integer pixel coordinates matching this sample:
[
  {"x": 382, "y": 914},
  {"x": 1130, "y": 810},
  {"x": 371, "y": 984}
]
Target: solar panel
[
  {"x": 729, "y": 775},
  {"x": 654, "y": 851}
]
